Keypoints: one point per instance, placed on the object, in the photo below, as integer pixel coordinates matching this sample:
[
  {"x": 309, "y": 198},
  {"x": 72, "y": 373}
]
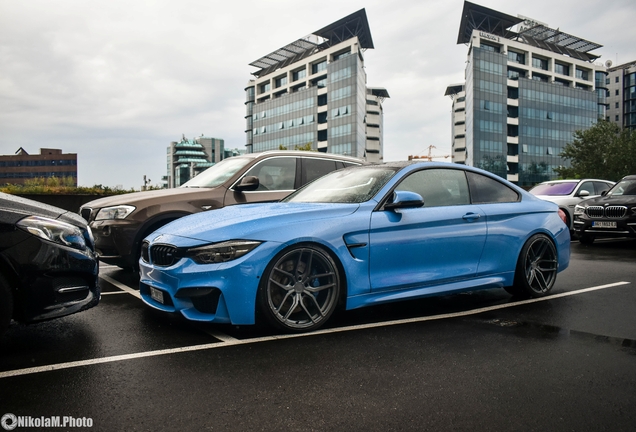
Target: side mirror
[
  {"x": 584, "y": 193},
  {"x": 404, "y": 199},
  {"x": 604, "y": 193},
  {"x": 248, "y": 183}
]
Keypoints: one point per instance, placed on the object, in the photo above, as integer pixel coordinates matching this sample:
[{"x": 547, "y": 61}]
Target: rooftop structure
[
  {"x": 312, "y": 94},
  {"x": 528, "y": 88}
]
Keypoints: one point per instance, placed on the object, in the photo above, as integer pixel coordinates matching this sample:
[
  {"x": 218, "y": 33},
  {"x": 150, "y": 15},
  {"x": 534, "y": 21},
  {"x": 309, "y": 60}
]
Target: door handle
[{"x": 470, "y": 217}]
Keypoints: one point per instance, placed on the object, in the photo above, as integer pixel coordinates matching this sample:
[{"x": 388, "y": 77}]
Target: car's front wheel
[
  {"x": 537, "y": 268},
  {"x": 300, "y": 289}
]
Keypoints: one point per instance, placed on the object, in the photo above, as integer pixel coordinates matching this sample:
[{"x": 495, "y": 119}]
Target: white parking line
[
  {"x": 121, "y": 286},
  {"x": 229, "y": 341}
]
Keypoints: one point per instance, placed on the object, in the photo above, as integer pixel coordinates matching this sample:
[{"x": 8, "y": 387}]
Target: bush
[{"x": 59, "y": 186}]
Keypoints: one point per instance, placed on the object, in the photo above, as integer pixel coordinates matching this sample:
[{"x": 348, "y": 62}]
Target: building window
[
  {"x": 582, "y": 74},
  {"x": 562, "y": 69},
  {"x": 264, "y": 88},
  {"x": 616, "y": 79},
  {"x": 516, "y": 57},
  {"x": 616, "y": 106},
  {"x": 616, "y": 117},
  {"x": 317, "y": 67},
  {"x": 488, "y": 47},
  {"x": 616, "y": 92},
  {"x": 540, "y": 63},
  {"x": 340, "y": 55},
  {"x": 280, "y": 81},
  {"x": 299, "y": 74}
]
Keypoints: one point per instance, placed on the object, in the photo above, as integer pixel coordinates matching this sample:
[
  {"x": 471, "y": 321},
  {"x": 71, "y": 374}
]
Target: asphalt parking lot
[{"x": 473, "y": 361}]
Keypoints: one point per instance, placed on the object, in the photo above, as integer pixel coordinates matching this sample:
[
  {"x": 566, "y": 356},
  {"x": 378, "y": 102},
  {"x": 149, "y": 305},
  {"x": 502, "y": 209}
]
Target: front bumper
[
  {"x": 218, "y": 293},
  {"x": 622, "y": 228},
  {"x": 51, "y": 280},
  {"x": 114, "y": 241}
]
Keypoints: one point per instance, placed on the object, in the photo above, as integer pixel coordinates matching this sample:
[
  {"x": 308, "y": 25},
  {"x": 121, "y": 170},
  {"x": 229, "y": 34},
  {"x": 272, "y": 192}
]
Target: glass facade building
[
  {"x": 621, "y": 94},
  {"x": 312, "y": 95},
  {"x": 524, "y": 96},
  {"x": 189, "y": 157}
]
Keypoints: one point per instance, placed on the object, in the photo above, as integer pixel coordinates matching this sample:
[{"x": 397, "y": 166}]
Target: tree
[
  {"x": 604, "y": 151},
  {"x": 306, "y": 147}
]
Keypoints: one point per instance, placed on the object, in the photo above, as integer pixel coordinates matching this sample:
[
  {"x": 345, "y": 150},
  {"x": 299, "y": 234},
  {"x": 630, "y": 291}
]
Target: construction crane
[{"x": 429, "y": 157}]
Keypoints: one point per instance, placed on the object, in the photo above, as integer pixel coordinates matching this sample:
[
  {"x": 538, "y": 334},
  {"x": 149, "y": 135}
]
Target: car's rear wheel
[
  {"x": 300, "y": 289},
  {"x": 6, "y": 304},
  {"x": 537, "y": 268}
]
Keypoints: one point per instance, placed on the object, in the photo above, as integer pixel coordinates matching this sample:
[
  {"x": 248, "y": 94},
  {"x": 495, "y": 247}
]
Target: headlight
[
  {"x": 115, "y": 212},
  {"x": 579, "y": 210},
  {"x": 221, "y": 252},
  {"x": 54, "y": 231}
]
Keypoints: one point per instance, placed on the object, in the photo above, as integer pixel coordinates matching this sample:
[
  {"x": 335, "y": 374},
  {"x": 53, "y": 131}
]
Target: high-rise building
[
  {"x": 312, "y": 94},
  {"x": 621, "y": 96},
  {"x": 18, "y": 168},
  {"x": 189, "y": 157},
  {"x": 527, "y": 90}
]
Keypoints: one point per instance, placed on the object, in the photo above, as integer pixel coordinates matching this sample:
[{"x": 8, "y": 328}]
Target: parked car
[
  {"x": 568, "y": 193},
  {"x": 120, "y": 223},
  {"x": 611, "y": 215},
  {"x": 356, "y": 237},
  {"x": 48, "y": 267}
]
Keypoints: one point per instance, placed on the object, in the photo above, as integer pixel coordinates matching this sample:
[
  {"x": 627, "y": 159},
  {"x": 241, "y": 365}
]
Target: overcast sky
[{"x": 116, "y": 81}]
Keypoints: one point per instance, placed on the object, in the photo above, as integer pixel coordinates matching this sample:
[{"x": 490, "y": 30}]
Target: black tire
[
  {"x": 300, "y": 289},
  {"x": 586, "y": 239},
  {"x": 537, "y": 268},
  {"x": 6, "y": 304}
]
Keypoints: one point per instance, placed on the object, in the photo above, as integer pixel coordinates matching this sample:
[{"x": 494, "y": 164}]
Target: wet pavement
[{"x": 472, "y": 361}]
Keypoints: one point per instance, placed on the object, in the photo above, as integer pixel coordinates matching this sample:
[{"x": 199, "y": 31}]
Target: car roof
[
  {"x": 316, "y": 154},
  {"x": 629, "y": 177},
  {"x": 575, "y": 181}
]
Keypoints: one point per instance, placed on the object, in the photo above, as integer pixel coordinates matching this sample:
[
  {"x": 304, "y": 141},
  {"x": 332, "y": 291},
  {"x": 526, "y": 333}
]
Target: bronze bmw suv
[{"x": 119, "y": 223}]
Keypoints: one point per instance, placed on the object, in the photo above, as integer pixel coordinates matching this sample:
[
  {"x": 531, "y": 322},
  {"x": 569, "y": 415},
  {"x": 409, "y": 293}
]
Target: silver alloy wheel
[
  {"x": 302, "y": 289},
  {"x": 540, "y": 264}
]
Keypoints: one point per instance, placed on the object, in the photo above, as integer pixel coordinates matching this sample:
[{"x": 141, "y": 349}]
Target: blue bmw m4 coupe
[{"x": 357, "y": 237}]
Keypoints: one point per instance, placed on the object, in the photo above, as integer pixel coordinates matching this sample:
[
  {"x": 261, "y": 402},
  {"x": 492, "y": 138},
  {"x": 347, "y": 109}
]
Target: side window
[
  {"x": 438, "y": 187},
  {"x": 315, "y": 168},
  {"x": 484, "y": 190},
  {"x": 275, "y": 174},
  {"x": 587, "y": 186},
  {"x": 601, "y": 187}
]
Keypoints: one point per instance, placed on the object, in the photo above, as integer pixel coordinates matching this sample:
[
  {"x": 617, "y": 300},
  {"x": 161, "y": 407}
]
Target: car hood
[
  {"x": 265, "y": 221},
  {"x": 153, "y": 195},
  {"x": 13, "y": 208},
  {"x": 611, "y": 200}
]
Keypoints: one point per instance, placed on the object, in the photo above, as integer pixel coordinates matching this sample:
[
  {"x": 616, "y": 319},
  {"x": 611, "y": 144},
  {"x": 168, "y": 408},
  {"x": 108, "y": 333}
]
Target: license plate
[
  {"x": 157, "y": 295},
  {"x": 597, "y": 224}
]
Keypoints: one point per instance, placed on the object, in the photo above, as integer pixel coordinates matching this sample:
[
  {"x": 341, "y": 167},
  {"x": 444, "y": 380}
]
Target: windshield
[
  {"x": 218, "y": 174},
  {"x": 624, "y": 187},
  {"x": 554, "y": 189},
  {"x": 351, "y": 185}
]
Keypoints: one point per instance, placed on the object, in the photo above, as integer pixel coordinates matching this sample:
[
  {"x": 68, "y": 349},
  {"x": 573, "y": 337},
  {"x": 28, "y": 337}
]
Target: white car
[{"x": 568, "y": 193}]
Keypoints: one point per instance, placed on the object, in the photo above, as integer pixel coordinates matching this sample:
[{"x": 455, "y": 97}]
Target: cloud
[{"x": 117, "y": 81}]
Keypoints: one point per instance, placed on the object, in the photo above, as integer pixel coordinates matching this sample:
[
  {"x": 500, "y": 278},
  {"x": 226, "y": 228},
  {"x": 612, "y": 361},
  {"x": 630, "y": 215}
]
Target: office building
[
  {"x": 528, "y": 88},
  {"x": 21, "y": 167},
  {"x": 313, "y": 94},
  {"x": 189, "y": 157},
  {"x": 621, "y": 94}
]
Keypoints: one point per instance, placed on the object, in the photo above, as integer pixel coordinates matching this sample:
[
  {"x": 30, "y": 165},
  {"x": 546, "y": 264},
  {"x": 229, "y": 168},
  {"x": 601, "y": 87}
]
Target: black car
[
  {"x": 48, "y": 266},
  {"x": 613, "y": 214}
]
